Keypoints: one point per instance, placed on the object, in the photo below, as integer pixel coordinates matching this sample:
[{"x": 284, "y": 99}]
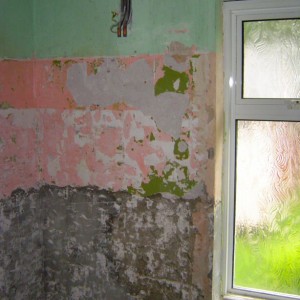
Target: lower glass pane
[{"x": 267, "y": 207}]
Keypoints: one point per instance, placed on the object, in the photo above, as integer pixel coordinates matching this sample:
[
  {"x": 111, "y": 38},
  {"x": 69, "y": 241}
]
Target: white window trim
[{"x": 236, "y": 108}]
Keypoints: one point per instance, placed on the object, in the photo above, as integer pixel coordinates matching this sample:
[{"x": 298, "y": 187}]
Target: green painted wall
[
  {"x": 79, "y": 28},
  {"x": 16, "y": 28}
]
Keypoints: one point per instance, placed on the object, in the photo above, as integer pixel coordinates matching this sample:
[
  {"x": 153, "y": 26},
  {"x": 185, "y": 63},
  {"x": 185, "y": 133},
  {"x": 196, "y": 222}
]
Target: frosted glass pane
[
  {"x": 267, "y": 213},
  {"x": 271, "y": 54}
]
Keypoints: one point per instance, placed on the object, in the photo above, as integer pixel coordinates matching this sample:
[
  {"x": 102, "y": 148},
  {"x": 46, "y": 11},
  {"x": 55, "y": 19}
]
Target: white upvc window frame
[{"x": 237, "y": 108}]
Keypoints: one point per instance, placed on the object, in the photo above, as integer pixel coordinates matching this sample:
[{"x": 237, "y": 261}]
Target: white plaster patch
[
  {"x": 152, "y": 160},
  {"x": 137, "y": 133},
  {"x": 83, "y": 172},
  {"x": 151, "y": 261},
  {"x": 139, "y": 117},
  {"x": 2, "y": 145},
  {"x": 166, "y": 223},
  {"x": 102, "y": 157},
  {"x": 130, "y": 162},
  {"x": 131, "y": 275},
  {"x": 119, "y": 250},
  {"x": 82, "y": 140},
  {"x": 180, "y": 175},
  {"x": 176, "y": 84},
  {"x": 173, "y": 64},
  {"x": 108, "y": 119},
  {"x": 166, "y": 147},
  {"x": 195, "y": 192},
  {"x": 132, "y": 203},
  {"x": 133, "y": 85},
  {"x": 53, "y": 166},
  {"x": 5, "y": 224},
  {"x": 149, "y": 203},
  {"x": 182, "y": 223},
  {"x": 24, "y": 118},
  {"x": 182, "y": 146}
]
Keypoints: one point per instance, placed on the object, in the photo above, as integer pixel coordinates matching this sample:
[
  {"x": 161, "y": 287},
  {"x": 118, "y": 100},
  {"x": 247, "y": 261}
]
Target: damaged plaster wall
[
  {"x": 145, "y": 144},
  {"x": 120, "y": 147},
  {"x": 133, "y": 120},
  {"x": 134, "y": 88},
  {"x": 87, "y": 243}
]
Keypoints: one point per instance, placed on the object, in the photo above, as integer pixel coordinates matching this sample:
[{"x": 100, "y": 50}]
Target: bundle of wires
[{"x": 125, "y": 18}]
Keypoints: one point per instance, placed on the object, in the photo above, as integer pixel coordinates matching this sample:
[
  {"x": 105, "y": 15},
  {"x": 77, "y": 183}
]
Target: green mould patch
[
  {"x": 181, "y": 149},
  {"x": 191, "y": 70},
  {"x": 5, "y": 105},
  {"x": 57, "y": 63},
  {"x": 172, "y": 81},
  {"x": 152, "y": 137},
  {"x": 14, "y": 139},
  {"x": 174, "y": 180}
]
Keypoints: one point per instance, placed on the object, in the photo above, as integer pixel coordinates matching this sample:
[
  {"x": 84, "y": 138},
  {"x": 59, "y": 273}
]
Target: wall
[
  {"x": 16, "y": 29},
  {"x": 87, "y": 243},
  {"x": 86, "y": 27},
  {"x": 134, "y": 114}
]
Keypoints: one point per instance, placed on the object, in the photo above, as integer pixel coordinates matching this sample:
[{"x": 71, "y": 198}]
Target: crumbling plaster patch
[
  {"x": 133, "y": 85},
  {"x": 94, "y": 244},
  {"x": 153, "y": 145}
]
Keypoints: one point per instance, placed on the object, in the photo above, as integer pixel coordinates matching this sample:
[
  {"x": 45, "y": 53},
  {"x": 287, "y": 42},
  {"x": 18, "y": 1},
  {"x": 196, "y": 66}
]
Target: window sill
[{"x": 239, "y": 297}]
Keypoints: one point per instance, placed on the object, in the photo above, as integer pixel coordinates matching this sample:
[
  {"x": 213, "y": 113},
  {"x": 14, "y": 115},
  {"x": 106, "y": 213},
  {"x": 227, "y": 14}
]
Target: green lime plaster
[
  {"x": 5, "y": 105},
  {"x": 168, "y": 82},
  {"x": 166, "y": 183},
  {"x": 57, "y": 63},
  {"x": 181, "y": 149},
  {"x": 152, "y": 137},
  {"x": 192, "y": 69},
  {"x": 16, "y": 29},
  {"x": 81, "y": 28}
]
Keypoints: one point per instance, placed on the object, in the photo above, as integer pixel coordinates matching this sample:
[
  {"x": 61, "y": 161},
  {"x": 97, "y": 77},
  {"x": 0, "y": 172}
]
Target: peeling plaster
[
  {"x": 143, "y": 146},
  {"x": 132, "y": 85},
  {"x": 53, "y": 166},
  {"x": 172, "y": 81}
]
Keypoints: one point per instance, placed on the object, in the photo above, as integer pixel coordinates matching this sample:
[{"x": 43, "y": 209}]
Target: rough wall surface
[
  {"x": 136, "y": 127},
  {"x": 87, "y": 243},
  {"x": 50, "y": 29},
  {"x": 21, "y": 246},
  {"x": 139, "y": 124}
]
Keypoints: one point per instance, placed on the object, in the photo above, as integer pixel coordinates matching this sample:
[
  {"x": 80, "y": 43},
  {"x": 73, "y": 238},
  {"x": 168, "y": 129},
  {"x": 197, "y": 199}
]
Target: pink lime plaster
[
  {"x": 16, "y": 83},
  {"x": 48, "y": 138},
  {"x": 19, "y": 163}
]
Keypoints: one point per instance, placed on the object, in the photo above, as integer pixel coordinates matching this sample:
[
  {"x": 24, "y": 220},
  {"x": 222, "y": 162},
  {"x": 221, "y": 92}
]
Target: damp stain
[
  {"x": 57, "y": 63},
  {"x": 5, "y": 105}
]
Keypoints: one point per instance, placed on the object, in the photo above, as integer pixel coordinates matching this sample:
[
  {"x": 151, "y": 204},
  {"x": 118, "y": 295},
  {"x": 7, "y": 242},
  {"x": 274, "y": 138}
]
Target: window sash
[{"x": 237, "y": 108}]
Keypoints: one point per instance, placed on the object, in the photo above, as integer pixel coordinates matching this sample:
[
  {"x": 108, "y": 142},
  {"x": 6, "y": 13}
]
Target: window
[{"x": 262, "y": 156}]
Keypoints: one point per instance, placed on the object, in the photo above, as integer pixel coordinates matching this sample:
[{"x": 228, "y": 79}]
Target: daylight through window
[{"x": 262, "y": 81}]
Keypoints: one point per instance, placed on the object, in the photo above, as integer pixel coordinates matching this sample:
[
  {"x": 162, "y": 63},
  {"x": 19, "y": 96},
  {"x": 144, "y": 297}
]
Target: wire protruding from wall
[{"x": 125, "y": 18}]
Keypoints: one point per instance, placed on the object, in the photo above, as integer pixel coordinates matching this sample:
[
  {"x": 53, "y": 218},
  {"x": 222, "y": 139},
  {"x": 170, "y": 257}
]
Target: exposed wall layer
[{"x": 140, "y": 124}]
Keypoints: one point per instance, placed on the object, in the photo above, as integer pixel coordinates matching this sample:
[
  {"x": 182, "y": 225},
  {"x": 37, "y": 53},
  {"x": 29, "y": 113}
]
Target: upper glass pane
[{"x": 271, "y": 59}]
